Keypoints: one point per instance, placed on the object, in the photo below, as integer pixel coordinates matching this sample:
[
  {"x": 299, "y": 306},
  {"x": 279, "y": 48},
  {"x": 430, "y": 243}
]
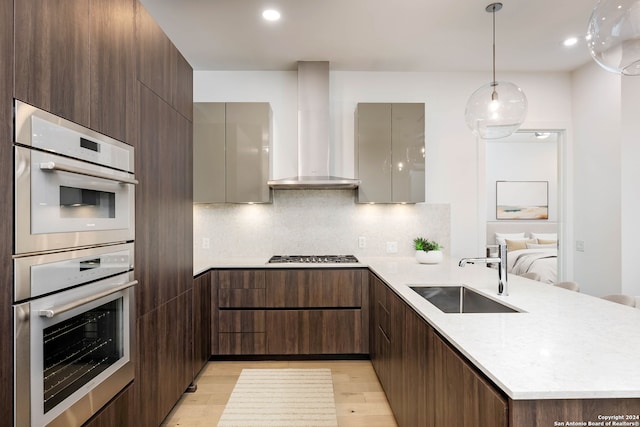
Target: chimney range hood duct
[{"x": 313, "y": 133}]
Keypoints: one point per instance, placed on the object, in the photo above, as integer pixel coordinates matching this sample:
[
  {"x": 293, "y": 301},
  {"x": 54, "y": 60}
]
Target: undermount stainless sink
[{"x": 459, "y": 299}]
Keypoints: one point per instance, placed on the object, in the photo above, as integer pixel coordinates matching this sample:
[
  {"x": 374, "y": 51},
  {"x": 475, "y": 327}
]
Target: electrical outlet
[
  {"x": 580, "y": 245},
  {"x": 362, "y": 242},
  {"x": 392, "y": 247},
  {"x": 206, "y": 243}
]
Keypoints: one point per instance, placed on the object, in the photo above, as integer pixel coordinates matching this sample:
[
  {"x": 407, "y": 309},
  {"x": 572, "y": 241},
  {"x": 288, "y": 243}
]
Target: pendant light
[
  {"x": 613, "y": 36},
  {"x": 497, "y": 109}
]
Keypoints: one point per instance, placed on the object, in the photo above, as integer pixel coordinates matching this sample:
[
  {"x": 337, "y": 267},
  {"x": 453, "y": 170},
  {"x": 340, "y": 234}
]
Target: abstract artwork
[{"x": 522, "y": 200}]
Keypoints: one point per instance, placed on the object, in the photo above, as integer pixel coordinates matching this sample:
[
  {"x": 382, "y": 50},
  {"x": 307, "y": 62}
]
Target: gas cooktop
[{"x": 317, "y": 259}]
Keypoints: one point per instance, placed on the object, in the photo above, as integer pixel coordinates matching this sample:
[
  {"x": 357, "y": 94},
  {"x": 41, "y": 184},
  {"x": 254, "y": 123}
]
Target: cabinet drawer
[
  {"x": 240, "y": 343},
  {"x": 241, "y": 321},
  {"x": 241, "y": 298},
  {"x": 241, "y": 279},
  {"x": 315, "y": 332},
  {"x": 307, "y": 288}
]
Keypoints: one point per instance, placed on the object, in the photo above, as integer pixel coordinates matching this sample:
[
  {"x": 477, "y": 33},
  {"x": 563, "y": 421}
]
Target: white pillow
[
  {"x": 544, "y": 236},
  {"x": 539, "y": 246},
  {"x": 500, "y": 237}
]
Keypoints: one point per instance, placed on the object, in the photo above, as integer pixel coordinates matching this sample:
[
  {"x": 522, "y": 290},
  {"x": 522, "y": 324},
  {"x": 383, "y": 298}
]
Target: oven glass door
[
  {"x": 78, "y": 348},
  {"x": 58, "y": 205}
]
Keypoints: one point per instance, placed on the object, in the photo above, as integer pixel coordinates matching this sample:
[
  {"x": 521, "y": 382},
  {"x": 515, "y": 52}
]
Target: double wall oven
[{"x": 74, "y": 282}]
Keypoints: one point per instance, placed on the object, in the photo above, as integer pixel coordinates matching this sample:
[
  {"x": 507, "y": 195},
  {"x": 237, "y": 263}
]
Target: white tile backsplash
[{"x": 314, "y": 222}]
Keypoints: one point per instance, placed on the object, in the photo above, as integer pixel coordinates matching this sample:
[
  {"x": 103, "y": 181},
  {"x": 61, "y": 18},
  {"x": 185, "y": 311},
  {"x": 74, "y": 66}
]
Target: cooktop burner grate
[{"x": 316, "y": 259}]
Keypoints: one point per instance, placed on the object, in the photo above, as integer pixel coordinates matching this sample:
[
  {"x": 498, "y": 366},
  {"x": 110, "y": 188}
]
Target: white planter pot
[{"x": 431, "y": 257}]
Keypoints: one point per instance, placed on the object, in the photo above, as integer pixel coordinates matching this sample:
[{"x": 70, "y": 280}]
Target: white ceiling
[{"x": 376, "y": 35}]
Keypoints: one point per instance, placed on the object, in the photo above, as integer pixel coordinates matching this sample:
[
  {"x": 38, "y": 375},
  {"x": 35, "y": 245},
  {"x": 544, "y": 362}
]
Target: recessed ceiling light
[
  {"x": 571, "y": 41},
  {"x": 271, "y": 15}
]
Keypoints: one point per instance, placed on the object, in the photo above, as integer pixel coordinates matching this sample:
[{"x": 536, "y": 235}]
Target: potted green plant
[{"x": 427, "y": 251}]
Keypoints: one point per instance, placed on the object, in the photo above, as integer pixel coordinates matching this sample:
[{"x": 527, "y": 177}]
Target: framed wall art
[{"x": 522, "y": 200}]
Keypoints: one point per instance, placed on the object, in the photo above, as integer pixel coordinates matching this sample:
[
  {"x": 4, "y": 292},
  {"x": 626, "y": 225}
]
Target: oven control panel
[{"x": 43, "y": 274}]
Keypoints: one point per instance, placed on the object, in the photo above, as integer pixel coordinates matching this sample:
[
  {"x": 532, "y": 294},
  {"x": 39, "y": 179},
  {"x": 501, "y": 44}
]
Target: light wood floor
[{"x": 360, "y": 401}]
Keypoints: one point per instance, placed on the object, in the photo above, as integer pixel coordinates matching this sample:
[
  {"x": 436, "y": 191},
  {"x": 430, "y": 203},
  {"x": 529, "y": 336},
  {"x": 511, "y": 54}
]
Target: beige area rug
[{"x": 281, "y": 398}]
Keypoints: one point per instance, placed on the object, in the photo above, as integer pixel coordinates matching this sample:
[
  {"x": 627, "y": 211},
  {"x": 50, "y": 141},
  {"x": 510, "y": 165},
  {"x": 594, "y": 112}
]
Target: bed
[{"x": 531, "y": 247}]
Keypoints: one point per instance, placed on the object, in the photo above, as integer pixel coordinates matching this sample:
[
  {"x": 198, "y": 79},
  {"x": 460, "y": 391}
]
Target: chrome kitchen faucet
[{"x": 501, "y": 260}]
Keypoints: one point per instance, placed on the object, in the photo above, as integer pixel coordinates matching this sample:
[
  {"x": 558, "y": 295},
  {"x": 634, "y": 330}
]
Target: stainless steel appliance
[
  {"x": 315, "y": 259},
  {"x": 74, "y": 187},
  {"x": 74, "y": 329}
]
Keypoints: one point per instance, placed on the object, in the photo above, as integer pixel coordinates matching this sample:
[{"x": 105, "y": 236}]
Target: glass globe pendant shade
[
  {"x": 613, "y": 36},
  {"x": 496, "y": 110}
]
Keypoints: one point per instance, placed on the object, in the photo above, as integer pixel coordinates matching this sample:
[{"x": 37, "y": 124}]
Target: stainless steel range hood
[{"x": 313, "y": 133}]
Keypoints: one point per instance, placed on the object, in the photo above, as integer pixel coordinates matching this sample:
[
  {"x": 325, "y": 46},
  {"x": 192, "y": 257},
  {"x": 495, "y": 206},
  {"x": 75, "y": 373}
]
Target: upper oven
[{"x": 73, "y": 186}]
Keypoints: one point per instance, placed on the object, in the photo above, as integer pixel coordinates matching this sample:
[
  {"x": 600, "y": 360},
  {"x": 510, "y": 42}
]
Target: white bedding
[{"x": 542, "y": 261}]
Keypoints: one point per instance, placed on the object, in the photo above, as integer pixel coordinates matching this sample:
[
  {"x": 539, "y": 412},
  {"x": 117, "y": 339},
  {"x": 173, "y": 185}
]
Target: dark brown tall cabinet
[
  {"x": 164, "y": 225},
  {"x": 107, "y": 65},
  {"x": 6, "y": 209},
  {"x": 75, "y": 59}
]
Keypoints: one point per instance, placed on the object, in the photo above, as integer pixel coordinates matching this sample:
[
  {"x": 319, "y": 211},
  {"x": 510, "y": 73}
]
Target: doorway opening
[{"x": 526, "y": 161}]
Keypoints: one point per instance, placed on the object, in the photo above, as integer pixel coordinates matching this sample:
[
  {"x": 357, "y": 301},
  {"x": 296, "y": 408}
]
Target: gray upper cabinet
[
  {"x": 390, "y": 150},
  {"x": 231, "y": 144},
  {"x": 208, "y": 152}
]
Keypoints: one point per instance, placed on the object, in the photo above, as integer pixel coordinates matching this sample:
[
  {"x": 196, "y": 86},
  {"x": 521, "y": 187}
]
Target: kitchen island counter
[{"x": 562, "y": 345}]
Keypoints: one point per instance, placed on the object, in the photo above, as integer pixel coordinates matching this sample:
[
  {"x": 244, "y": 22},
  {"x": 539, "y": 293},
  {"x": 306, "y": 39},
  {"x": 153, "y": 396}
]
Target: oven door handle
[
  {"x": 52, "y": 312},
  {"x": 53, "y": 166}
]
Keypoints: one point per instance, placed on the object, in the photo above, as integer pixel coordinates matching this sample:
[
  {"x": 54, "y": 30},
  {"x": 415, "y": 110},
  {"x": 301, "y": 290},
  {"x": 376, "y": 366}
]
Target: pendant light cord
[
  {"x": 493, "y": 8},
  {"x": 493, "y": 13}
]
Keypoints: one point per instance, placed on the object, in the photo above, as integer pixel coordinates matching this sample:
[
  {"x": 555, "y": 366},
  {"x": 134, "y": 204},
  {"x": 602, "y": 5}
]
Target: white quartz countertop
[{"x": 562, "y": 345}]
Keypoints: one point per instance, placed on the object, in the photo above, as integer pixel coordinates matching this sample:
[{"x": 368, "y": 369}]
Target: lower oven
[{"x": 74, "y": 334}]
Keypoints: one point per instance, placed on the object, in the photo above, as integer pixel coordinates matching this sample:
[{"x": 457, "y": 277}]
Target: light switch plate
[{"x": 392, "y": 247}]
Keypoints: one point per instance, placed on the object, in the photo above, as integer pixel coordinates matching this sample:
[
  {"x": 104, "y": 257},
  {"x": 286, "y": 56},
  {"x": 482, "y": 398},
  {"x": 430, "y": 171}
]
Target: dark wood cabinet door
[
  {"x": 462, "y": 396},
  {"x": 484, "y": 406},
  {"x": 111, "y": 27},
  {"x": 241, "y": 288},
  {"x": 164, "y": 367},
  {"x": 158, "y": 245},
  {"x": 319, "y": 288},
  {"x": 242, "y": 343},
  {"x": 180, "y": 205},
  {"x": 156, "y": 57},
  {"x": 184, "y": 95},
  {"x": 395, "y": 384},
  {"x": 314, "y": 332},
  {"x": 448, "y": 385},
  {"x": 241, "y": 321},
  {"x": 417, "y": 407},
  {"x": 201, "y": 321},
  {"x": 52, "y": 61},
  {"x": 389, "y": 318},
  {"x": 241, "y": 279}
]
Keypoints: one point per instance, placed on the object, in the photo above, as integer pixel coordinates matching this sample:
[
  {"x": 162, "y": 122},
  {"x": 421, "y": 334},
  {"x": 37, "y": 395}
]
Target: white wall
[
  {"x": 452, "y": 170},
  {"x": 630, "y": 188},
  {"x": 522, "y": 161},
  {"x": 597, "y": 179}
]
